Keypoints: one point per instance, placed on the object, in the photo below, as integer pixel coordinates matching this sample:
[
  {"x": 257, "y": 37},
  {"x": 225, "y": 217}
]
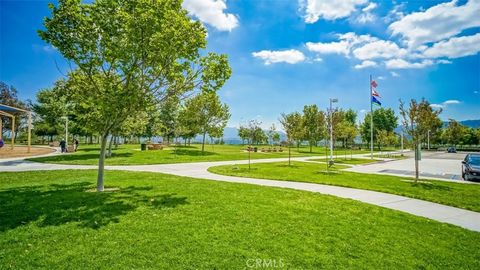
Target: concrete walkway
[{"x": 456, "y": 216}]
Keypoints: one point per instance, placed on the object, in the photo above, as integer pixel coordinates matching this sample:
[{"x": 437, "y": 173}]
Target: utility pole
[
  {"x": 66, "y": 130},
  {"x": 401, "y": 142},
  {"x": 332, "y": 100},
  {"x": 428, "y": 139},
  {"x": 371, "y": 118}
]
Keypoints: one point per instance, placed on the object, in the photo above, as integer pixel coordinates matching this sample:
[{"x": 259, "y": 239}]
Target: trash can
[{"x": 143, "y": 146}]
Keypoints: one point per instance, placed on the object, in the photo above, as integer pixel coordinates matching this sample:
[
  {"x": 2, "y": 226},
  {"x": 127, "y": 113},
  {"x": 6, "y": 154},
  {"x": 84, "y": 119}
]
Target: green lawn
[
  {"x": 50, "y": 220},
  {"x": 131, "y": 154},
  {"x": 465, "y": 196},
  {"x": 351, "y": 161}
]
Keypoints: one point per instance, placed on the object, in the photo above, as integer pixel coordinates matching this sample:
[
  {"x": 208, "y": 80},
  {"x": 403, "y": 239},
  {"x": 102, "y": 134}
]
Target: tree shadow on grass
[
  {"x": 430, "y": 186},
  {"x": 192, "y": 153},
  {"x": 56, "y": 205},
  {"x": 78, "y": 157}
]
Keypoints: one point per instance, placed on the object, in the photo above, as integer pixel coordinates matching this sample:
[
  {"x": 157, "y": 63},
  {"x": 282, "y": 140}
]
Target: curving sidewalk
[{"x": 442, "y": 213}]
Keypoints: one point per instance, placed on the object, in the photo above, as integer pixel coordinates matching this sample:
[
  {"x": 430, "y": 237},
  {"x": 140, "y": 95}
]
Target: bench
[{"x": 155, "y": 146}]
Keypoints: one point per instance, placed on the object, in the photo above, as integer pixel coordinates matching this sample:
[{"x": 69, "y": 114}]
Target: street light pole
[
  {"x": 332, "y": 100},
  {"x": 401, "y": 142},
  {"x": 66, "y": 130},
  {"x": 428, "y": 139}
]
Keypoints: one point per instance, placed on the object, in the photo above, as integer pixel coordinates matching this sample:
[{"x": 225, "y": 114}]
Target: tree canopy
[{"x": 129, "y": 54}]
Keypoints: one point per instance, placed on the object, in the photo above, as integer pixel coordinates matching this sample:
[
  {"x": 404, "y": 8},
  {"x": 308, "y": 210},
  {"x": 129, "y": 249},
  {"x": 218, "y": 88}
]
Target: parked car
[
  {"x": 451, "y": 150},
  {"x": 471, "y": 167}
]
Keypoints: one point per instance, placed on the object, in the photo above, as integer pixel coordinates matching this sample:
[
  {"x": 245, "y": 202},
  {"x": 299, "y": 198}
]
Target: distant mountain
[
  {"x": 230, "y": 136},
  {"x": 471, "y": 123}
]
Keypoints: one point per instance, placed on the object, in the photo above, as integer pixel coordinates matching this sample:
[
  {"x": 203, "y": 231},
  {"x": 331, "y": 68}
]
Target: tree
[
  {"x": 243, "y": 134},
  {"x": 128, "y": 55},
  {"x": 208, "y": 114},
  {"x": 416, "y": 122},
  {"x": 454, "y": 133},
  {"x": 168, "y": 117},
  {"x": 272, "y": 134},
  {"x": 49, "y": 109},
  {"x": 9, "y": 97},
  {"x": 292, "y": 124},
  {"x": 253, "y": 132},
  {"x": 383, "y": 119},
  {"x": 386, "y": 138},
  {"x": 313, "y": 124}
]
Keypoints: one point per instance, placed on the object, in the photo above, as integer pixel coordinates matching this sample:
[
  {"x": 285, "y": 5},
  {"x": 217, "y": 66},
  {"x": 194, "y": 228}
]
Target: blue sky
[{"x": 285, "y": 54}]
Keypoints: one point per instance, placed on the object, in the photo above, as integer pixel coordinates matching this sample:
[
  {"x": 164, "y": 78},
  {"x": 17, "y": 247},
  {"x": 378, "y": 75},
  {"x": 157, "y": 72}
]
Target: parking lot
[{"x": 435, "y": 165}]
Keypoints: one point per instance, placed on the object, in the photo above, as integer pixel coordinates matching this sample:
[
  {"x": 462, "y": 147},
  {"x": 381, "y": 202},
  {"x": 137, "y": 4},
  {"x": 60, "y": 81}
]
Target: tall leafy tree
[
  {"x": 314, "y": 124},
  {"x": 129, "y": 54},
  {"x": 416, "y": 121},
  {"x": 383, "y": 119},
  {"x": 208, "y": 113},
  {"x": 454, "y": 133},
  {"x": 293, "y": 126}
]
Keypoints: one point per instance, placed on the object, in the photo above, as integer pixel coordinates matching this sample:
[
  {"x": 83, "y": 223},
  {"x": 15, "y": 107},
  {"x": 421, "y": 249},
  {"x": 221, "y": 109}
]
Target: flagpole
[{"x": 371, "y": 119}]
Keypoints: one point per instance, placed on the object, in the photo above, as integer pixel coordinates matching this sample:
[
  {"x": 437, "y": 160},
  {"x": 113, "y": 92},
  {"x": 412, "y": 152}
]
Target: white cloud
[
  {"x": 402, "y": 64},
  {"x": 454, "y": 47},
  {"x": 445, "y": 103},
  {"x": 381, "y": 78},
  {"x": 328, "y": 10},
  {"x": 443, "y": 61},
  {"x": 367, "y": 16},
  {"x": 437, "y": 23},
  {"x": 341, "y": 47},
  {"x": 451, "y": 101},
  {"x": 436, "y": 106},
  {"x": 363, "y": 111},
  {"x": 212, "y": 13},
  {"x": 287, "y": 56},
  {"x": 379, "y": 49},
  {"x": 346, "y": 42},
  {"x": 394, "y": 74},
  {"x": 370, "y": 7},
  {"x": 365, "y": 64}
]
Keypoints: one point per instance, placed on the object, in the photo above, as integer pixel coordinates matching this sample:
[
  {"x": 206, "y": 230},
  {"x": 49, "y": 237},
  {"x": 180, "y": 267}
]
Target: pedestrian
[
  {"x": 63, "y": 146},
  {"x": 75, "y": 143}
]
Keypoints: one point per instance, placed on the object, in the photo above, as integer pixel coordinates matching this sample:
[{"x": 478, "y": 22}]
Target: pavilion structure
[{"x": 9, "y": 111}]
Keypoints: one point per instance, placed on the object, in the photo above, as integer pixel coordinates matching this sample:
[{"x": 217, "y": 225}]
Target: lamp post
[
  {"x": 428, "y": 139},
  {"x": 332, "y": 100},
  {"x": 66, "y": 130}
]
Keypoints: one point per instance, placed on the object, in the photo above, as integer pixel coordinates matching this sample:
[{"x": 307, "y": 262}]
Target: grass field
[
  {"x": 51, "y": 220},
  {"x": 131, "y": 154},
  {"x": 459, "y": 195}
]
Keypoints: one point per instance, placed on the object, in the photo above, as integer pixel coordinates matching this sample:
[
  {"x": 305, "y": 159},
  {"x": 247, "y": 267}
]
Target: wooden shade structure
[{"x": 8, "y": 111}]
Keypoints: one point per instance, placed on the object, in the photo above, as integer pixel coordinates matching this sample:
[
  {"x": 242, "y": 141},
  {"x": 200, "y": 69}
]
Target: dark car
[
  {"x": 451, "y": 150},
  {"x": 471, "y": 167}
]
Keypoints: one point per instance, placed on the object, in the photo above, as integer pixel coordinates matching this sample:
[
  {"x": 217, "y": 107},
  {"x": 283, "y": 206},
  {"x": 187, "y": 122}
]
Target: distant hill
[
  {"x": 471, "y": 123},
  {"x": 230, "y": 136}
]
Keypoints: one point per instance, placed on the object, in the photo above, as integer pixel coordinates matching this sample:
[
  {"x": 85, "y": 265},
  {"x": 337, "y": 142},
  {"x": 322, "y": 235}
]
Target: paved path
[{"x": 460, "y": 217}]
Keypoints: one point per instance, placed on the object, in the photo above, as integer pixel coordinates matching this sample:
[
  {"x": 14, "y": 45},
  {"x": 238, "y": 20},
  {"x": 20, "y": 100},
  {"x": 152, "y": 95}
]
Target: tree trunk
[
  {"x": 289, "y": 155},
  {"x": 109, "y": 153},
  {"x": 203, "y": 140},
  {"x": 416, "y": 162},
  {"x": 310, "y": 147},
  {"x": 101, "y": 163}
]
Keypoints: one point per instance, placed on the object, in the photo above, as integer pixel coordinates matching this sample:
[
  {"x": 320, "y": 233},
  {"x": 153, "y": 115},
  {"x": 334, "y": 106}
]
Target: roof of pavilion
[{"x": 6, "y": 108}]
